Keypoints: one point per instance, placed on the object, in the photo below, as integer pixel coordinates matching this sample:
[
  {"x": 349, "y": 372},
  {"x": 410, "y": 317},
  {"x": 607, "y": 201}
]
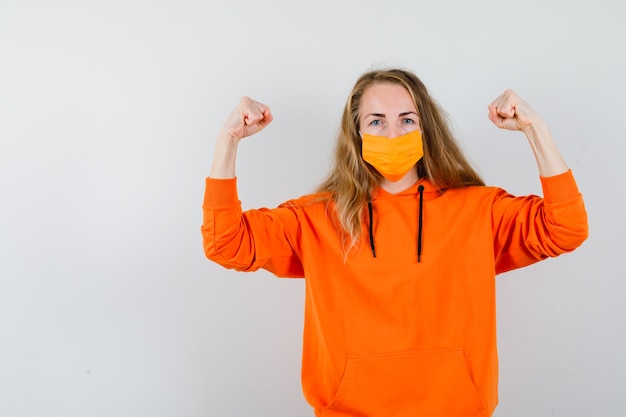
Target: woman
[{"x": 400, "y": 247}]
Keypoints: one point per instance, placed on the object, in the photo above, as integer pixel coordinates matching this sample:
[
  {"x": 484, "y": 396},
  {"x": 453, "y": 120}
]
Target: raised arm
[
  {"x": 528, "y": 229},
  {"x": 509, "y": 111},
  {"x": 248, "y": 118}
]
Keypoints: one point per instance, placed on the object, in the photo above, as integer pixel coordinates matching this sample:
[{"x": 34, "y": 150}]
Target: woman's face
[{"x": 387, "y": 110}]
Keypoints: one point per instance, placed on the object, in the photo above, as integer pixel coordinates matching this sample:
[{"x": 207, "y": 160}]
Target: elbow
[
  {"x": 212, "y": 253},
  {"x": 571, "y": 229},
  {"x": 573, "y": 238},
  {"x": 581, "y": 236},
  {"x": 212, "y": 250},
  {"x": 229, "y": 256},
  {"x": 584, "y": 234},
  {"x": 208, "y": 243},
  {"x": 581, "y": 233}
]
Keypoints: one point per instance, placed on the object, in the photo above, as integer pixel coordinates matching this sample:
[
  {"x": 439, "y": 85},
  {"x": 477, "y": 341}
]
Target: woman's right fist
[{"x": 248, "y": 118}]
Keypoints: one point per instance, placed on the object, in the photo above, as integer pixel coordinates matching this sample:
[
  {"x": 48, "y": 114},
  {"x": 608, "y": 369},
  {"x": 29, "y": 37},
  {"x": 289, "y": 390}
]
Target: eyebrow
[{"x": 406, "y": 113}]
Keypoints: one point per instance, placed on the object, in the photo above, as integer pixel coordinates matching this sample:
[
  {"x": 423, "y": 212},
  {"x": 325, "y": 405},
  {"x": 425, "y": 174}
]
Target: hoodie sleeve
[
  {"x": 529, "y": 229},
  {"x": 247, "y": 241}
]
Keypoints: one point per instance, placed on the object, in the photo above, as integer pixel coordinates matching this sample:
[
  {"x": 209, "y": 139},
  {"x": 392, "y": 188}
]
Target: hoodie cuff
[
  {"x": 221, "y": 192},
  {"x": 558, "y": 188}
]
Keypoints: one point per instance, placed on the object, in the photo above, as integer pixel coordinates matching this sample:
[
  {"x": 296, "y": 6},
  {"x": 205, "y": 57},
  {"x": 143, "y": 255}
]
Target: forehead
[{"x": 383, "y": 98}]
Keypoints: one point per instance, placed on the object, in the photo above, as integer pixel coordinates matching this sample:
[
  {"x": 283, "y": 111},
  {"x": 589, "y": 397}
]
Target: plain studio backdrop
[{"x": 108, "y": 115}]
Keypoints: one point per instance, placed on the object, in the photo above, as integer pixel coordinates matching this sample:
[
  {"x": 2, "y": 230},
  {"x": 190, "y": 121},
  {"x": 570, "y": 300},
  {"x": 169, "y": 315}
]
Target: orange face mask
[{"x": 393, "y": 157}]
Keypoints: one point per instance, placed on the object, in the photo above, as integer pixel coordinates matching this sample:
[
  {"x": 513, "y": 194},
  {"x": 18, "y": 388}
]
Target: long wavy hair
[{"x": 351, "y": 180}]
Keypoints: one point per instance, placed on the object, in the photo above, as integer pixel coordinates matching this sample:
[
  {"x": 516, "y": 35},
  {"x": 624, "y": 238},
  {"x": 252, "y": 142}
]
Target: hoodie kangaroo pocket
[{"x": 429, "y": 384}]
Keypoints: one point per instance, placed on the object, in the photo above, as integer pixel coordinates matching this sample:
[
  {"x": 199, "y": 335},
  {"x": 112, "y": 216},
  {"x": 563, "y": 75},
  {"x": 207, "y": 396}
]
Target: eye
[
  {"x": 408, "y": 121},
  {"x": 375, "y": 122}
]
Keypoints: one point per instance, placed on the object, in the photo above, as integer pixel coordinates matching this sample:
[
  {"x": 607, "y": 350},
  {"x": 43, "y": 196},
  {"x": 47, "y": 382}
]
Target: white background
[{"x": 108, "y": 114}]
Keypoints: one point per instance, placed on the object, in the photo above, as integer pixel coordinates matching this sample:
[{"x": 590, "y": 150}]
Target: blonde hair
[{"x": 352, "y": 180}]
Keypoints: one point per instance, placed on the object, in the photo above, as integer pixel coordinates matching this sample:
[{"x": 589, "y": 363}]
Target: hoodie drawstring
[
  {"x": 369, "y": 209},
  {"x": 419, "y": 225}
]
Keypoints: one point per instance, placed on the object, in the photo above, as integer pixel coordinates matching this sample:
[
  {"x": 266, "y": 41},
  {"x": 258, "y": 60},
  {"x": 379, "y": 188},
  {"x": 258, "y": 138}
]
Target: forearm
[
  {"x": 549, "y": 159},
  {"x": 248, "y": 118},
  {"x": 224, "y": 158}
]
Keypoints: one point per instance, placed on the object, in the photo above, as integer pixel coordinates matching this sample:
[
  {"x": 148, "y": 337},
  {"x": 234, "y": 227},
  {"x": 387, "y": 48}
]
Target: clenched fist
[
  {"x": 509, "y": 111},
  {"x": 248, "y": 118}
]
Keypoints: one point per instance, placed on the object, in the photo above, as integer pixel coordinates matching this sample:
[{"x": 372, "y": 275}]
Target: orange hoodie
[{"x": 388, "y": 335}]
